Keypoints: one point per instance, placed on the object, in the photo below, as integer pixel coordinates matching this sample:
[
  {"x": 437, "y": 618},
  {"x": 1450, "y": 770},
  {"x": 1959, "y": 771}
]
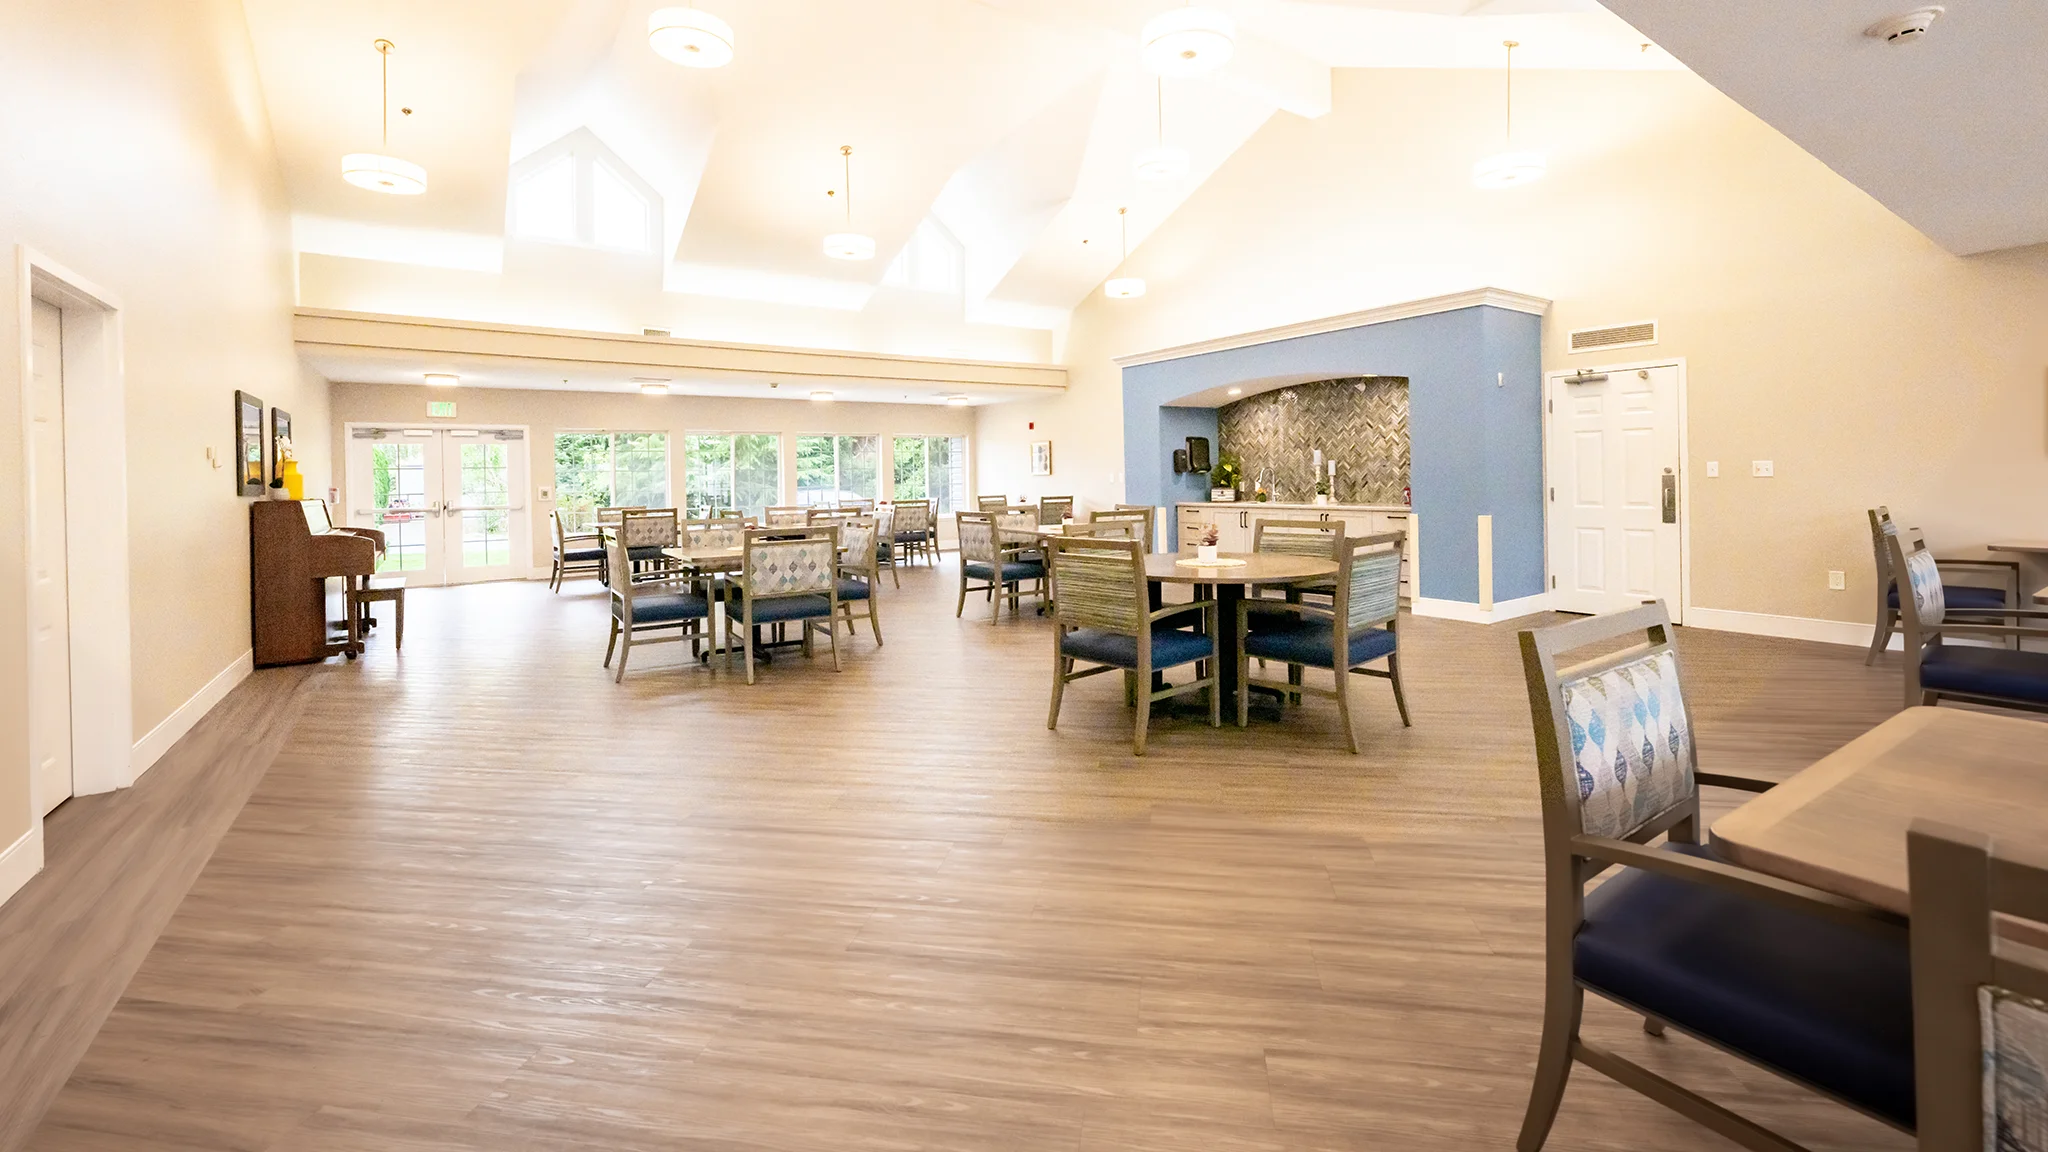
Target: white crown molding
[{"x": 1492, "y": 297}]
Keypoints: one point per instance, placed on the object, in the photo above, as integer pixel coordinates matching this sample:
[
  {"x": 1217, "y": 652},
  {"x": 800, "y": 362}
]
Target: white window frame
[{"x": 585, "y": 152}]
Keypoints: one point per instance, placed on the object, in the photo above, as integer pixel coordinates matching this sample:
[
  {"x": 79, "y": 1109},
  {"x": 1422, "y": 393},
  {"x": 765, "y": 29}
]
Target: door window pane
[
  {"x": 486, "y": 527},
  {"x": 398, "y": 474}
]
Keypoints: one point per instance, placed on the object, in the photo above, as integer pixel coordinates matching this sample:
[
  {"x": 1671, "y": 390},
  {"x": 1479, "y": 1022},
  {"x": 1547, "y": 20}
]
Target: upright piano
[{"x": 294, "y": 549}]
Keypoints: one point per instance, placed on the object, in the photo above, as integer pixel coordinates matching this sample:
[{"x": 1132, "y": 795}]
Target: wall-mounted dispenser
[
  {"x": 1198, "y": 453},
  {"x": 1180, "y": 461}
]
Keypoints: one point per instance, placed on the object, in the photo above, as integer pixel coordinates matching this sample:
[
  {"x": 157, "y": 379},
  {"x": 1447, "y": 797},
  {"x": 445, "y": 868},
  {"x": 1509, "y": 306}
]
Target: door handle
[{"x": 1670, "y": 497}]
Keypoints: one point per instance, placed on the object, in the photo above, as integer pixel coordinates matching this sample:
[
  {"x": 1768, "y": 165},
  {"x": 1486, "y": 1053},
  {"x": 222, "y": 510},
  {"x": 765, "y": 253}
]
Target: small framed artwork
[
  {"x": 1041, "y": 457},
  {"x": 249, "y": 477},
  {"x": 280, "y": 437}
]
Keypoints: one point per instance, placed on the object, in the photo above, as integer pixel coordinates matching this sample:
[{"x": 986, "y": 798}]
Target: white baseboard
[
  {"x": 152, "y": 747},
  {"x": 21, "y": 861},
  {"x": 1787, "y": 627},
  {"x": 1473, "y": 614}
]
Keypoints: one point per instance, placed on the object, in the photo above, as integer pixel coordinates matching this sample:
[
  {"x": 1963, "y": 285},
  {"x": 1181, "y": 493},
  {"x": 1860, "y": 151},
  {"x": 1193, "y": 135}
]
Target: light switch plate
[
  {"x": 1713, "y": 469},
  {"x": 1762, "y": 468},
  {"x": 545, "y": 495},
  {"x": 1836, "y": 580}
]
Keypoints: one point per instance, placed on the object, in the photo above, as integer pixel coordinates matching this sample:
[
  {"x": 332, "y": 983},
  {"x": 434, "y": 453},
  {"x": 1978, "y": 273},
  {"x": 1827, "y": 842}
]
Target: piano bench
[{"x": 371, "y": 593}]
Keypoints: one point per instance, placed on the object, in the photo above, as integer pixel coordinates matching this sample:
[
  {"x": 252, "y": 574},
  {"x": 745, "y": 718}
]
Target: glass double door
[{"x": 450, "y": 501}]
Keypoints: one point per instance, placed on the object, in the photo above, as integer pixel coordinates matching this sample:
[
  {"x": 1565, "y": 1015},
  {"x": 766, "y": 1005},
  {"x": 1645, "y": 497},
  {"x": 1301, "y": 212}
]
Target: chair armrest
[
  {"x": 1249, "y": 605},
  {"x": 1739, "y": 783},
  {"x": 1742, "y": 881},
  {"x": 1959, "y": 562},
  {"x": 1995, "y": 613},
  {"x": 1947, "y": 627},
  {"x": 1179, "y": 610}
]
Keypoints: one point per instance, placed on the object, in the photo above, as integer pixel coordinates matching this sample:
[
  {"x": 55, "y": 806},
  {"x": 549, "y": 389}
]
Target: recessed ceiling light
[
  {"x": 1187, "y": 41},
  {"x": 1237, "y": 391},
  {"x": 653, "y": 387},
  {"x": 690, "y": 37},
  {"x": 821, "y": 395},
  {"x": 956, "y": 401},
  {"x": 443, "y": 379}
]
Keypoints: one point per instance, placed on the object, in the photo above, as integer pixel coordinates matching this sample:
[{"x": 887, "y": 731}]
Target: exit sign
[{"x": 445, "y": 409}]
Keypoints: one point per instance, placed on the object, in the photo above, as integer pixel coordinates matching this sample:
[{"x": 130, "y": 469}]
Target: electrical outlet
[
  {"x": 1836, "y": 580},
  {"x": 1762, "y": 468},
  {"x": 1713, "y": 469}
]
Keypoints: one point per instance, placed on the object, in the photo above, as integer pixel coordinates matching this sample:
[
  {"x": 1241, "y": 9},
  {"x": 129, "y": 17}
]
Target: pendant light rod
[
  {"x": 846, "y": 156},
  {"x": 384, "y": 54},
  {"x": 1123, "y": 227},
  {"x": 1161, "y": 105},
  {"x": 1511, "y": 45}
]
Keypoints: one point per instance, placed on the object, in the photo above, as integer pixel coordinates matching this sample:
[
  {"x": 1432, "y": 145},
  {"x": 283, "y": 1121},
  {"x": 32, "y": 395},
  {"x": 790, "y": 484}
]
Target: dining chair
[
  {"x": 1957, "y": 595},
  {"x": 1103, "y": 617},
  {"x": 1806, "y": 984},
  {"x": 985, "y": 557},
  {"x": 1151, "y": 522},
  {"x": 824, "y": 514},
  {"x": 785, "y": 577},
  {"x": 1980, "y": 1005},
  {"x": 1054, "y": 509},
  {"x": 859, "y": 570},
  {"x": 575, "y": 552},
  {"x": 885, "y": 547},
  {"x": 1140, "y": 519},
  {"x": 1321, "y": 539},
  {"x": 661, "y": 606},
  {"x": 782, "y": 515},
  {"x": 1357, "y": 629},
  {"x": 912, "y": 529},
  {"x": 1937, "y": 670},
  {"x": 1018, "y": 525},
  {"x": 991, "y": 503},
  {"x": 645, "y": 532}
]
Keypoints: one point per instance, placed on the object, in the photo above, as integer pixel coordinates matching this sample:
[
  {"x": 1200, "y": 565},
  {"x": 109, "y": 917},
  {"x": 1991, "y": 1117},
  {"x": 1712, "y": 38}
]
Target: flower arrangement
[
  {"x": 1211, "y": 536},
  {"x": 285, "y": 451}
]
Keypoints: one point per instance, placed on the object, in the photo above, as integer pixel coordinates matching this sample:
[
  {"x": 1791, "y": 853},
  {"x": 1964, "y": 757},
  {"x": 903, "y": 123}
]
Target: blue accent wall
[{"x": 1475, "y": 430}]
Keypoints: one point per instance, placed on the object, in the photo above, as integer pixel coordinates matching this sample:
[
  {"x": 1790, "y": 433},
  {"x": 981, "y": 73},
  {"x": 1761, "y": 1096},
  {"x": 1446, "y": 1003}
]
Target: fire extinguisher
[{"x": 1405, "y": 497}]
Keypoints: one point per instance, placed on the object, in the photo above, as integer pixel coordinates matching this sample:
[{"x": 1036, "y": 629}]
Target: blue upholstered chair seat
[
  {"x": 1170, "y": 647},
  {"x": 583, "y": 554},
  {"x": 1294, "y": 640},
  {"x": 1821, "y": 1001},
  {"x": 1999, "y": 672},
  {"x": 669, "y": 606},
  {"x": 1959, "y": 596},
  {"x": 851, "y": 589},
  {"x": 783, "y": 608},
  {"x": 1012, "y": 570}
]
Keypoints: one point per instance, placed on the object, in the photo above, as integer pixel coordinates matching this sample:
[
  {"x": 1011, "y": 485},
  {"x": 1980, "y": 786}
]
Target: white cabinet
[{"x": 1236, "y": 524}]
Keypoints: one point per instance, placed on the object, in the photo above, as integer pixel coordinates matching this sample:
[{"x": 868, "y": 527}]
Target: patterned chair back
[
  {"x": 776, "y": 565},
  {"x": 1318, "y": 538},
  {"x": 1099, "y": 583},
  {"x": 1881, "y": 529},
  {"x": 991, "y": 503},
  {"x": 614, "y": 515},
  {"x": 1015, "y": 525},
  {"x": 831, "y": 515},
  {"x": 1106, "y": 530},
  {"x": 708, "y": 535},
  {"x": 786, "y": 517},
  {"x": 857, "y": 542},
  {"x": 912, "y": 515},
  {"x": 1053, "y": 509},
  {"x": 1927, "y": 603},
  {"x": 1980, "y": 1008},
  {"x": 1372, "y": 584},
  {"x": 1139, "y": 518},
  {"x": 648, "y": 529},
  {"x": 1614, "y": 736},
  {"x": 977, "y": 537}
]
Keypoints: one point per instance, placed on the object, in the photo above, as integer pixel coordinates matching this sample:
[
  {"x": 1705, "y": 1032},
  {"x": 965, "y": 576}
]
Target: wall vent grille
[{"x": 1618, "y": 336}]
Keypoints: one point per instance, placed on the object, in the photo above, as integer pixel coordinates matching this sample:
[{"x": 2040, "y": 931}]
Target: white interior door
[
  {"x": 49, "y": 599},
  {"x": 448, "y": 500},
  {"x": 1615, "y": 539}
]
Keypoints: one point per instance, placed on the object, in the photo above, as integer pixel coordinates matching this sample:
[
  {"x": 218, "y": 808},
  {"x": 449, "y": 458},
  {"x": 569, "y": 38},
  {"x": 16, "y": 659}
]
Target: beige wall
[
  {"x": 138, "y": 155},
  {"x": 1819, "y": 331},
  {"x": 544, "y": 413}
]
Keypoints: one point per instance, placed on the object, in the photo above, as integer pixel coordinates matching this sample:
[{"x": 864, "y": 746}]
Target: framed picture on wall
[
  {"x": 280, "y": 435},
  {"x": 249, "y": 477},
  {"x": 1041, "y": 457}
]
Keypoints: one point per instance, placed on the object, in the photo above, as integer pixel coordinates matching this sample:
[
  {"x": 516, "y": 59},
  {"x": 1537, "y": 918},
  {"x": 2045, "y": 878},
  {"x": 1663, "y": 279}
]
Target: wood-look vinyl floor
[{"x": 486, "y": 899}]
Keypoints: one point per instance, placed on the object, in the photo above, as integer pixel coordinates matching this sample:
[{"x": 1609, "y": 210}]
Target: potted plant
[
  {"x": 1322, "y": 492},
  {"x": 1205, "y": 549},
  {"x": 1224, "y": 479}
]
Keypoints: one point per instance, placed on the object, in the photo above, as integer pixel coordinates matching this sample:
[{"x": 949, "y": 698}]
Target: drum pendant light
[
  {"x": 690, "y": 37},
  {"x": 1187, "y": 41},
  {"x": 1124, "y": 287},
  {"x": 849, "y": 245},
  {"x": 378, "y": 172},
  {"x": 1509, "y": 168}
]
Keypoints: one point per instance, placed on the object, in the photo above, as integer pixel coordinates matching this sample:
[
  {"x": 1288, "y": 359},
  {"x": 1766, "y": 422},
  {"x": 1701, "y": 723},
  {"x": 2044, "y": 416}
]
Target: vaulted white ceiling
[{"x": 1009, "y": 125}]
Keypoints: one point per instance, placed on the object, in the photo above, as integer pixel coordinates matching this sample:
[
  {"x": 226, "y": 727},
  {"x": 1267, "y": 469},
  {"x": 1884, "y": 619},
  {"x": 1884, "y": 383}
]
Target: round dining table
[{"x": 1230, "y": 582}]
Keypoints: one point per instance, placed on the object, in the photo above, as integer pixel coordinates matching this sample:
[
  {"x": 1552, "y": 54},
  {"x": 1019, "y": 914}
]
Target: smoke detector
[{"x": 1906, "y": 27}]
